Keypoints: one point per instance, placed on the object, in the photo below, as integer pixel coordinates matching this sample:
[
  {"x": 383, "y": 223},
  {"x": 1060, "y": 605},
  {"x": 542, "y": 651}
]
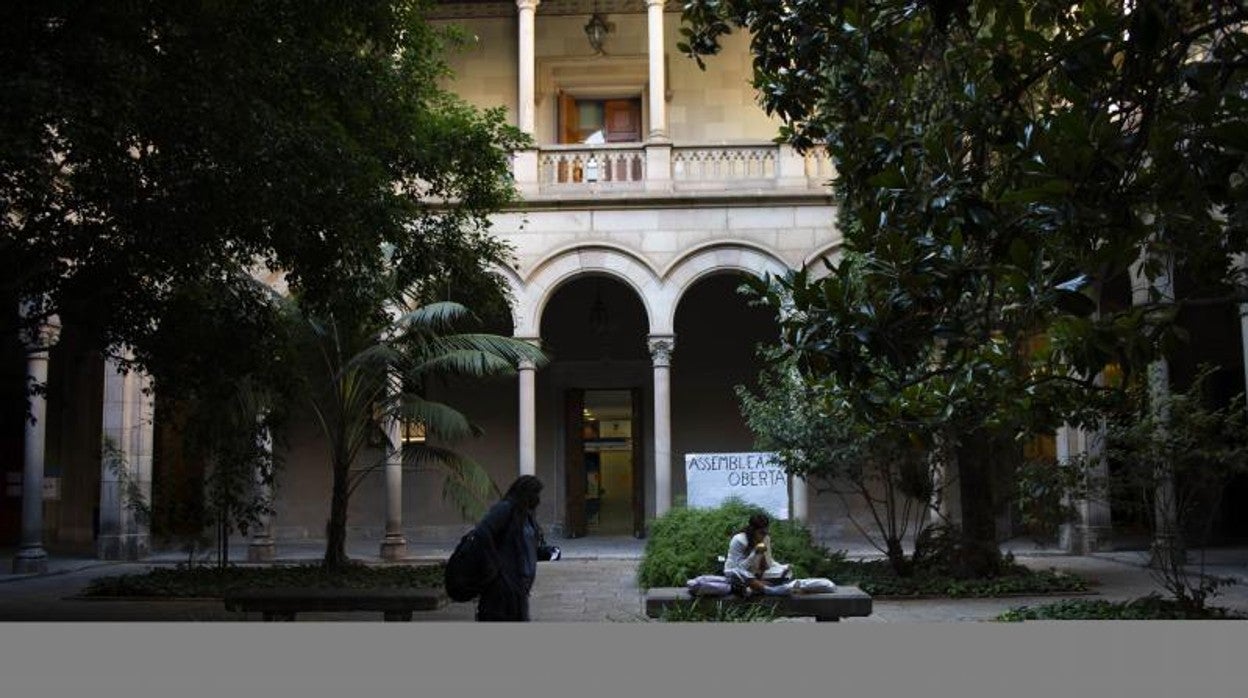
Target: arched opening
[
  {"x": 717, "y": 333},
  {"x": 591, "y": 403}
]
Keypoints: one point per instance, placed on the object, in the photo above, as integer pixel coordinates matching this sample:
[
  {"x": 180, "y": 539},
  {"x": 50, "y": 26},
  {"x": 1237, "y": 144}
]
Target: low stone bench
[
  {"x": 845, "y": 602},
  {"x": 283, "y": 604}
]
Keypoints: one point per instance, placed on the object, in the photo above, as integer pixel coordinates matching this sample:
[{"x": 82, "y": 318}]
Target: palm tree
[{"x": 365, "y": 369}]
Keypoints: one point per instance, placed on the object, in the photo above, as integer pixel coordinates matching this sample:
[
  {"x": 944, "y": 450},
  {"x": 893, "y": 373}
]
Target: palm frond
[
  {"x": 465, "y": 362},
  {"x": 440, "y": 420},
  {"x": 509, "y": 348},
  {"x": 435, "y": 317},
  {"x": 465, "y": 483},
  {"x": 377, "y": 357}
]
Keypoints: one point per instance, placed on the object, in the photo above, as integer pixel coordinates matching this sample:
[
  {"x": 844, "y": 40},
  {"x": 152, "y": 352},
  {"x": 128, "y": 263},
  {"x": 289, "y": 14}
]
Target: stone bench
[
  {"x": 283, "y": 604},
  {"x": 845, "y": 602}
]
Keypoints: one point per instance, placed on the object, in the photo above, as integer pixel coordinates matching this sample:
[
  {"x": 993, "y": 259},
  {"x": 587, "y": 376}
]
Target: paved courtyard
[{"x": 596, "y": 582}]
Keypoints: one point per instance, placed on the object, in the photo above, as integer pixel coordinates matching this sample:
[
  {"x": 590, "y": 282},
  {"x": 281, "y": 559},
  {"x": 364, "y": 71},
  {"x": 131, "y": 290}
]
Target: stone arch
[
  {"x": 711, "y": 259},
  {"x": 515, "y": 294},
  {"x": 812, "y": 263},
  {"x": 565, "y": 265}
]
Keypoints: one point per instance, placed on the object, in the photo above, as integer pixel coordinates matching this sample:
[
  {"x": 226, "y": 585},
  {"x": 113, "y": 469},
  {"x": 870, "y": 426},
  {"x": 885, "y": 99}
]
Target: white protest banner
[{"x": 755, "y": 478}]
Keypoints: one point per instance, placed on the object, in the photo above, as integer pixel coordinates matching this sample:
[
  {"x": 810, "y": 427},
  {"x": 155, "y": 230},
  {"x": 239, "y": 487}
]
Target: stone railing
[
  {"x": 819, "y": 168},
  {"x": 724, "y": 163},
  {"x": 592, "y": 167},
  {"x": 569, "y": 170}
]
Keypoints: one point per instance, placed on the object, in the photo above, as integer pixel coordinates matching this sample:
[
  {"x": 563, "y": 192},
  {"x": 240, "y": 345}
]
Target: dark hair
[
  {"x": 525, "y": 491},
  {"x": 758, "y": 522}
]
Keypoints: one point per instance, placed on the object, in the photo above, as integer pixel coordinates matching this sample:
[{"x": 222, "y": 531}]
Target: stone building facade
[{"x": 652, "y": 188}]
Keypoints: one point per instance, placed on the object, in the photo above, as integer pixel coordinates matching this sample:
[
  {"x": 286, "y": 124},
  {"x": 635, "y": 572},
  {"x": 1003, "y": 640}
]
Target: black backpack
[{"x": 472, "y": 566}]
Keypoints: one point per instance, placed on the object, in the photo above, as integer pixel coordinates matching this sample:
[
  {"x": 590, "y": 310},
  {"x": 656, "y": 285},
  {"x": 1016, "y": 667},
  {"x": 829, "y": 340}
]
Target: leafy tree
[
  {"x": 219, "y": 357},
  {"x": 147, "y": 146},
  {"x": 361, "y": 369},
  {"x": 1188, "y": 451},
  {"x": 817, "y": 436},
  {"x": 155, "y": 155},
  {"x": 1006, "y": 174}
]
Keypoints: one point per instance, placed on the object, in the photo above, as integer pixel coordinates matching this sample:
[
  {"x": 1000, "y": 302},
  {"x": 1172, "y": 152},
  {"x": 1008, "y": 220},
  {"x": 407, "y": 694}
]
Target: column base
[
  {"x": 132, "y": 546},
  {"x": 30, "y": 561},
  {"x": 261, "y": 550},
  {"x": 1167, "y": 551},
  {"x": 394, "y": 548},
  {"x": 1082, "y": 540}
]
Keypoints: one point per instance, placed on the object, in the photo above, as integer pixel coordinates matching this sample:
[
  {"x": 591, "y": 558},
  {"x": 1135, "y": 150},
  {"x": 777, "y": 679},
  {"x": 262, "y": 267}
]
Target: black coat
[{"x": 507, "y": 598}]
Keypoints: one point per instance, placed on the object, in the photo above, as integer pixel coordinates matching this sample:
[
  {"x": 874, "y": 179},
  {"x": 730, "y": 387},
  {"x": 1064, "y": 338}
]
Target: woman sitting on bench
[{"x": 750, "y": 566}]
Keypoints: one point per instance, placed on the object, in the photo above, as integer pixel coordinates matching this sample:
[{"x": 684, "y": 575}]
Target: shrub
[
  {"x": 685, "y": 543},
  {"x": 1151, "y": 607},
  {"x": 705, "y": 610}
]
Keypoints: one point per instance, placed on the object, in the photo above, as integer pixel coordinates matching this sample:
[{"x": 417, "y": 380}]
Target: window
[{"x": 593, "y": 121}]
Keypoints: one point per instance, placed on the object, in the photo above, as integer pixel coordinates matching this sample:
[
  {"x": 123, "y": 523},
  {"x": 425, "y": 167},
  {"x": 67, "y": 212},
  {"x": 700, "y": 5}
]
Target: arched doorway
[{"x": 594, "y": 328}]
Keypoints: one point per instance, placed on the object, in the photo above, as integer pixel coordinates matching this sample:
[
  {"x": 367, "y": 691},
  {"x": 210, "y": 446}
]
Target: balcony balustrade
[{"x": 578, "y": 170}]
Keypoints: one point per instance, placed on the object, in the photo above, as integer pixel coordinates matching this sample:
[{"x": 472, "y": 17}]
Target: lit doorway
[{"x": 603, "y": 465}]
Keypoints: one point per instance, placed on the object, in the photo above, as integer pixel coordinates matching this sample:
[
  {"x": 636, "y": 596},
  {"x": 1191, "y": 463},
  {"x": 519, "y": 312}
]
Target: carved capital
[
  {"x": 44, "y": 337},
  {"x": 530, "y": 5},
  {"x": 661, "y": 348}
]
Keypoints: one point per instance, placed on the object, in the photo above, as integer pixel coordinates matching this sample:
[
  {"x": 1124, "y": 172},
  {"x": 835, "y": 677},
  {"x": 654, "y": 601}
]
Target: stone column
[
  {"x": 526, "y": 106},
  {"x": 528, "y": 418},
  {"x": 1241, "y": 264},
  {"x": 262, "y": 547},
  {"x": 661, "y": 347},
  {"x": 31, "y": 558},
  {"x": 658, "y": 144},
  {"x": 1167, "y": 540},
  {"x": 1091, "y": 530},
  {"x": 126, "y": 468},
  {"x": 801, "y": 502},
  {"x": 524, "y": 166},
  {"x": 658, "y": 82},
  {"x": 394, "y": 545}
]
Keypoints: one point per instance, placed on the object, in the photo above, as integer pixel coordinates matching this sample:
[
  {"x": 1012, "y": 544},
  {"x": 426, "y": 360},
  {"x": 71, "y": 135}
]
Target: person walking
[{"x": 519, "y": 542}]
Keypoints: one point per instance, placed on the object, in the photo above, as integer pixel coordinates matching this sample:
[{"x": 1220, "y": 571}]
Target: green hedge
[
  {"x": 876, "y": 578},
  {"x": 1151, "y": 607},
  {"x": 685, "y": 543}
]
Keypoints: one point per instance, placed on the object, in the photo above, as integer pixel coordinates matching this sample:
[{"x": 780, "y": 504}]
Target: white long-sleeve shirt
[{"x": 744, "y": 562}]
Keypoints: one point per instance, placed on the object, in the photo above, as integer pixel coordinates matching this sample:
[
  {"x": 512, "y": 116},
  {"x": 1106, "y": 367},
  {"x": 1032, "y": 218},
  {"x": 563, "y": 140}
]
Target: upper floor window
[{"x": 593, "y": 121}]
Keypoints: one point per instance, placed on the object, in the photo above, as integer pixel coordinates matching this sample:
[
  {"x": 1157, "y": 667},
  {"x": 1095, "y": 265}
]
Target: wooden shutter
[
  {"x": 574, "y": 463},
  {"x": 622, "y": 119},
  {"x": 569, "y": 119},
  {"x": 639, "y": 467}
]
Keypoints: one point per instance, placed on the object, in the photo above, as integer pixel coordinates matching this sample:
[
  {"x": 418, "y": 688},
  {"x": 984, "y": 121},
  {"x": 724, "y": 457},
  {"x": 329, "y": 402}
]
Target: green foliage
[
  {"x": 812, "y": 426},
  {"x": 361, "y": 371},
  {"x": 877, "y": 578},
  {"x": 1001, "y": 167},
  {"x": 685, "y": 543},
  {"x": 1044, "y": 491},
  {"x": 191, "y": 582},
  {"x": 153, "y": 154},
  {"x": 1183, "y": 452},
  {"x": 710, "y": 610},
  {"x": 1151, "y": 607}
]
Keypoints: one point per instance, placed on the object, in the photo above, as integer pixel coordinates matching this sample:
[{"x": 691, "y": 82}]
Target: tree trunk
[
  {"x": 336, "y": 529},
  {"x": 897, "y": 558},
  {"x": 980, "y": 454}
]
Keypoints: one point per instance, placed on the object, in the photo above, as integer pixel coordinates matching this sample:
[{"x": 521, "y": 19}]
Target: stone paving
[{"x": 594, "y": 583}]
